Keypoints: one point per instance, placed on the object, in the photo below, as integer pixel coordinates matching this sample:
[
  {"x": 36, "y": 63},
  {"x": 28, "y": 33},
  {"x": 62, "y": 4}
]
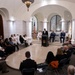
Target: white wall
[{"x": 13, "y": 27}]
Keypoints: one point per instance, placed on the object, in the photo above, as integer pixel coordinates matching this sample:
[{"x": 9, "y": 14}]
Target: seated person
[
  {"x": 60, "y": 55},
  {"x": 51, "y": 60},
  {"x": 8, "y": 47},
  {"x": 39, "y": 35},
  {"x": 27, "y": 39},
  {"x": 67, "y": 42},
  {"x": 12, "y": 44},
  {"x": 21, "y": 39},
  {"x": 50, "y": 57},
  {"x": 71, "y": 70},
  {"x": 15, "y": 41},
  {"x": 3, "y": 66},
  {"x": 67, "y": 50},
  {"x": 2, "y": 52},
  {"x": 28, "y": 63}
]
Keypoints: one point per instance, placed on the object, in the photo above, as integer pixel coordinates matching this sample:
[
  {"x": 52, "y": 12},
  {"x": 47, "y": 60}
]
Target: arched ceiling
[
  {"x": 15, "y": 6},
  {"x": 50, "y": 10}
]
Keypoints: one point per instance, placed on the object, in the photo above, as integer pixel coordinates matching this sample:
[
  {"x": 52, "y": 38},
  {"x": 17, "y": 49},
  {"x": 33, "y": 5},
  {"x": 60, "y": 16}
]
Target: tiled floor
[{"x": 38, "y": 53}]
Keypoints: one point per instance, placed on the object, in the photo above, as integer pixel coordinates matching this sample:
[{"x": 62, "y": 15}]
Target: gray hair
[{"x": 71, "y": 70}]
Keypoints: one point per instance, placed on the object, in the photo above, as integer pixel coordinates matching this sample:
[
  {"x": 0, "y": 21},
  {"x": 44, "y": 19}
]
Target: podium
[{"x": 45, "y": 40}]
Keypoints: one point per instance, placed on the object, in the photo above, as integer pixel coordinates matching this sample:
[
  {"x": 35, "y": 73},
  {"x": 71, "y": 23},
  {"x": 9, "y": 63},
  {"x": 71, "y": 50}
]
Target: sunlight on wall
[{"x": 12, "y": 18}]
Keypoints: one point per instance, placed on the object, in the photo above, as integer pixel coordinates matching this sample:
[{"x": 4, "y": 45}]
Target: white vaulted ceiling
[{"x": 16, "y": 8}]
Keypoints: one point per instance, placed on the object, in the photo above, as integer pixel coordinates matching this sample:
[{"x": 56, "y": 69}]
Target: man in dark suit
[
  {"x": 45, "y": 38},
  {"x": 62, "y": 36},
  {"x": 28, "y": 63},
  {"x": 45, "y": 32},
  {"x": 52, "y": 36}
]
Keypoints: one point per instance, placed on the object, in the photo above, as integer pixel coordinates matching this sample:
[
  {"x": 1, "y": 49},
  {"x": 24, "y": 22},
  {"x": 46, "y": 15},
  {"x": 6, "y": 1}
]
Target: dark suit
[
  {"x": 62, "y": 37},
  {"x": 27, "y": 64},
  {"x": 59, "y": 57},
  {"x": 45, "y": 38},
  {"x": 52, "y": 37},
  {"x": 45, "y": 33}
]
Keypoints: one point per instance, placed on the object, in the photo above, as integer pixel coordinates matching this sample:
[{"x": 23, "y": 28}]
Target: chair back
[{"x": 29, "y": 71}]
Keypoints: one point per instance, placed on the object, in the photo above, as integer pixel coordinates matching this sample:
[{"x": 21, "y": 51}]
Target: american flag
[{"x": 34, "y": 27}]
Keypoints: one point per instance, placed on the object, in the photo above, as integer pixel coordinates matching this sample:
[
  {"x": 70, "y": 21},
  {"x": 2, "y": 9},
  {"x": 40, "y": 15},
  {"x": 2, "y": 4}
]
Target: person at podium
[
  {"x": 45, "y": 38},
  {"x": 45, "y": 32}
]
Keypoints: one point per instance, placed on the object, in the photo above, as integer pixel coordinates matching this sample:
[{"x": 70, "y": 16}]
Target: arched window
[{"x": 55, "y": 23}]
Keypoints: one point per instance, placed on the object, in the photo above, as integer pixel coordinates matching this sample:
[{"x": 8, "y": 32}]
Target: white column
[
  {"x": 45, "y": 24},
  {"x": 73, "y": 32},
  {"x": 29, "y": 28},
  {"x": 70, "y": 29},
  {"x": 63, "y": 25}
]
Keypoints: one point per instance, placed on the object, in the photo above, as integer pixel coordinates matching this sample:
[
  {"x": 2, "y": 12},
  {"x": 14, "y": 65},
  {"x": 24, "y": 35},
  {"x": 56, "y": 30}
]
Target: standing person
[
  {"x": 45, "y": 32},
  {"x": 45, "y": 38},
  {"x": 28, "y": 63},
  {"x": 62, "y": 37},
  {"x": 52, "y": 36}
]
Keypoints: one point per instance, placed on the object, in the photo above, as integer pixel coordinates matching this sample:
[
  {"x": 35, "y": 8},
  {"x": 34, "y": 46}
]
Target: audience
[
  {"x": 2, "y": 52},
  {"x": 51, "y": 60},
  {"x": 8, "y": 47},
  {"x": 27, "y": 39},
  {"x": 71, "y": 70},
  {"x": 18, "y": 41},
  {"x": 14, "y": 39},
  {"x": 3, "y": 66},
  {"x": 21, "y": 39},
  {"x": 28, "y": 63},
  {"x": 67, "y": 42},
  {"x": 1, "y": 43},
  {"x": 39, "y": 35},
  {"x": 60, "y": 55},
  {"x": 50, "y": 57},
  {"x": 67, "y": 51}
]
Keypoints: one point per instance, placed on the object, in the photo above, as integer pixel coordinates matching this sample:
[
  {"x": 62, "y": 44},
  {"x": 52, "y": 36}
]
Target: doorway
[{"x": 1, "y": 26}]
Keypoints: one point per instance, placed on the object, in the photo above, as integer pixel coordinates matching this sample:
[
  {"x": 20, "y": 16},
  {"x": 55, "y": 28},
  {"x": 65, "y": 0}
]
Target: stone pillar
[
  {"x": 73, "y": 31},
  {"x": 45, "y": 24},
  {"x": 63, "y": 25},
  {"x": 29, "y": 28}
]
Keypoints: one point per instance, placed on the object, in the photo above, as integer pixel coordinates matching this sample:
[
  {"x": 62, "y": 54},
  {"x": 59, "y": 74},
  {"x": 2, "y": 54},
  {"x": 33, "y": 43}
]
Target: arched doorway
[{"x": 1, "y": 26}]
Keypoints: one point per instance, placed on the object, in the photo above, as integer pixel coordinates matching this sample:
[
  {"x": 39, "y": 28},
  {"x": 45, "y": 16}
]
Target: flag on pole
[{"x": 34, "y": 27}]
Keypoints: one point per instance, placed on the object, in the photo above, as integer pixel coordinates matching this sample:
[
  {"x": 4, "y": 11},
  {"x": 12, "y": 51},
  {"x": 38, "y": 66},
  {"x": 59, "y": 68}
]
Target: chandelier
[{"x": 28, "y": 3}]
